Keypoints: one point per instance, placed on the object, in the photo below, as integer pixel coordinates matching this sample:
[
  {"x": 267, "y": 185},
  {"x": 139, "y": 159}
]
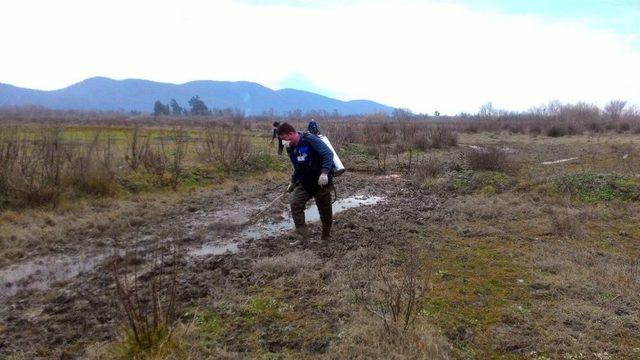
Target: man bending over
[{"x": 312, "y": 163}]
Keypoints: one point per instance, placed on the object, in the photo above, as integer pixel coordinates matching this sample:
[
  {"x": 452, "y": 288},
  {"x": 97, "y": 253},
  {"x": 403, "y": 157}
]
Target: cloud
[{"x": 425, "y": 56}]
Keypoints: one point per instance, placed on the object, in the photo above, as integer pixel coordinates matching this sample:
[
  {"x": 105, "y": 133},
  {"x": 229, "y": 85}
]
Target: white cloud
[{"x": 420, "y": 55}]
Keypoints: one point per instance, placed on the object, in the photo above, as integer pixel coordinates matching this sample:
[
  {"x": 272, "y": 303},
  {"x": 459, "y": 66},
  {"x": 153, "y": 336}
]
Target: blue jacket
[{"x": 310, "y": 157}]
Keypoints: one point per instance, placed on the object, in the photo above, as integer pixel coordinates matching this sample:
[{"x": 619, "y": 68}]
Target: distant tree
[
  {"x": 269, "y": 114},
  {"x": 294, "y": 114},
  {"x": 160, "y": 109},
  {"x": 198, "y": 107},
  {"x": 437, "y": 113},
  {"x": 402, "y": 114},
  {"x": 176, "y": 109},
  {"x": 486, "y": 110},
  {"x": 614, "y": 109}
]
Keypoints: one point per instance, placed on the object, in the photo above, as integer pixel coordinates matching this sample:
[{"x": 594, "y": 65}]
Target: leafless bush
[
  {"x": 136, "y": 149},
  {"x": 490, "y": 158},
  {"x": 149, "y": 306},
  {"x": 37, "y": 168},
  {"x": 9, "y": 152},
  {"x": 176, "y": 167},
  {"x": 156, "y": 161},
  {"x": 394, "y": 295},
  {"x": 429, "y": 167},
  {"x": 441, "y": 137},
  {"x": 340, "y": 133},
  {"x": 93, "y": 168},
  {"x": 227, "y": 148},
  {"x": 379, "y": 137}
]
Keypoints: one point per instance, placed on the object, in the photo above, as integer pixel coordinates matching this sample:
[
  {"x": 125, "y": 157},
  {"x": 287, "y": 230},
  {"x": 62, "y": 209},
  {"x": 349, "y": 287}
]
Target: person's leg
[
  {"x": 299, "y": 199},
  {"x": 323, "y": 202}
]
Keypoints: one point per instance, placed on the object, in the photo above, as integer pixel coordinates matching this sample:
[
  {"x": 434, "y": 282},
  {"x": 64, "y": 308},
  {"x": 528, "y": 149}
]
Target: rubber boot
[{"x": 301, "y": 236}]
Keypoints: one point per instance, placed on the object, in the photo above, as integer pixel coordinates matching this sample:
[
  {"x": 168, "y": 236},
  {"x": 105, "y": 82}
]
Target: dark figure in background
[
  {"x": 313, "y": 127},
  {"x": 312, "y": 163},
  {"x": 274, "y": 135}
]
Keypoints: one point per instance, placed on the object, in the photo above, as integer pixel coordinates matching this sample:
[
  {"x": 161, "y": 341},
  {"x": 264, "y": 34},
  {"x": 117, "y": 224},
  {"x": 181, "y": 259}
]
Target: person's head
[
  {"x": 288, "y": 134},
  {"x": 275, "y": 124}
]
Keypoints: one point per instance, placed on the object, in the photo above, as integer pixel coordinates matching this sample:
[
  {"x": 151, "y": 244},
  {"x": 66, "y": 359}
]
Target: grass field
[{"x": 487, "y": 245}]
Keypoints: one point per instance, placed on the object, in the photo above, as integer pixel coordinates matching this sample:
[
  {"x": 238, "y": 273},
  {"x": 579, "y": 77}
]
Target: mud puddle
[
  {"x": 40, "y": 273},
  {"x": 43, "y": 272},
  {"x": 269, "y": 228}
]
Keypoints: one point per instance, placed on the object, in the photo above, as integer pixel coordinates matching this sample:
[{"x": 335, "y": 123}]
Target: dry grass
[
  {"x": 288, "y": 264},
  {"x": 567, "y": 222}
]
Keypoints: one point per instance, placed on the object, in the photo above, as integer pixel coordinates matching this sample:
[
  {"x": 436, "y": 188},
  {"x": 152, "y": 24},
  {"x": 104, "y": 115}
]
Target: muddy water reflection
[
  {"x": 42, "y": 272},
  {"x": 265, "y": 229}
]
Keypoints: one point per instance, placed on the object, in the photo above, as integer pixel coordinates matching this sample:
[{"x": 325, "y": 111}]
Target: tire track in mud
[{"x": 82, "y": 310}]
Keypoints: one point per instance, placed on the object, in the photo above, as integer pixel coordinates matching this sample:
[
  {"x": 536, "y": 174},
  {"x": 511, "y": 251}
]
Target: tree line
[{"x": 197, "y": 107}]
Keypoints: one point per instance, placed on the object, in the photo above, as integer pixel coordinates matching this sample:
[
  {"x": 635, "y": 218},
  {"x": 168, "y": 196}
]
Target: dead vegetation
[
  {"x": 394, "y": 295},
  {"x": 148, "y": 305}
]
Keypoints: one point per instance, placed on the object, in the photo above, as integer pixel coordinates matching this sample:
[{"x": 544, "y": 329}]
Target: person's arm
[{"x": 323, "y": 150}]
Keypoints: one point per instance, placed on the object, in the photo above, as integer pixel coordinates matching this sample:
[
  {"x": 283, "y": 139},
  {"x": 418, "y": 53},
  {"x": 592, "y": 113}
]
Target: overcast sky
[{"x": 444, "y": 55}]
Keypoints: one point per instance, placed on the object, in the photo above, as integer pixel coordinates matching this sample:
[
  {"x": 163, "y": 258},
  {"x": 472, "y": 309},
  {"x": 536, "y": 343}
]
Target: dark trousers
[{"x": 299, "y": 200}]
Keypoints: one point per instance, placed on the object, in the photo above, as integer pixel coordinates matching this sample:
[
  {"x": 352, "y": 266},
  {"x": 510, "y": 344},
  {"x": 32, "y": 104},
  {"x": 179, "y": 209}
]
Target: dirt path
[{"x": 58, "y": 304}]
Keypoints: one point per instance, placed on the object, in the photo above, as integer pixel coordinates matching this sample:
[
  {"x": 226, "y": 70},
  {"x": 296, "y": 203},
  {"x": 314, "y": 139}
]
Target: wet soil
[{"x": 57, "y": 305}]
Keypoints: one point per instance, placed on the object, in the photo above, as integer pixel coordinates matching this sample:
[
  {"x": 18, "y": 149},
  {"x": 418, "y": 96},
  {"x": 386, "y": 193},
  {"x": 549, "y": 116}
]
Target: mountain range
[{"x": 104, "y": 94}]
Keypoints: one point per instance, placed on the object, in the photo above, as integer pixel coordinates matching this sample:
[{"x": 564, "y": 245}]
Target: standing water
[
  {"x": 263, "y": 230},
  {"x": 41, "y": 273}
]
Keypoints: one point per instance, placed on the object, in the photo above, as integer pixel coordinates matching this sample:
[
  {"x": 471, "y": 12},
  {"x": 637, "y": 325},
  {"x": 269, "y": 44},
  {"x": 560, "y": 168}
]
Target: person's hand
[
  {"x": 291, "y": 187},
  {"x": 323, "y": 179}
]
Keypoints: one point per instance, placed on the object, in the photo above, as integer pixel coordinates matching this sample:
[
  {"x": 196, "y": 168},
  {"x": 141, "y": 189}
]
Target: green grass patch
[
  {"x": 477, "y": 285},
  {"x": 487, "y": 182},
  {"x": 591, "y": 187}
]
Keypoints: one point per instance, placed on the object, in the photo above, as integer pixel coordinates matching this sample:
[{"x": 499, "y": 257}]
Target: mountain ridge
[{"x": 106, "y": 94}]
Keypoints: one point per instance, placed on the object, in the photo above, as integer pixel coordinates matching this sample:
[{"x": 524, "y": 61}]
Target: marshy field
[{"x": 454, "y": 238}]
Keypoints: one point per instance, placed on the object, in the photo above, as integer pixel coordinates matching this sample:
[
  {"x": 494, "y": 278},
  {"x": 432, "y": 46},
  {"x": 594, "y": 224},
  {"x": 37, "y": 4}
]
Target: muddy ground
[{"x": 49, "y": 322}]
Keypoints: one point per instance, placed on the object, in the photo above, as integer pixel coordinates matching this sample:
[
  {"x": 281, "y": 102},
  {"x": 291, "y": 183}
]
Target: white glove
[{"x": 323, "y": 180}]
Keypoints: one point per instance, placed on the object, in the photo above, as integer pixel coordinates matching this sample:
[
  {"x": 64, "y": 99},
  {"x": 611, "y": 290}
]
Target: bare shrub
[
  {"x": 378, "y": 137},
  {"x": 9, "y": 152},
  {"x": 149, "y": 306},
  {"x": 156, "y": 161},
  {"x": 227, "y": 148},
  {"x": 429, "y": 167},
  {"x": 340, "y": 134},
  {"x": 178, "y": 153},
  {"x": 136, "y": 149},
  {"x": 38, "y": 168},
  {"x": 490, "y": 158},
  {"x": 93, "y": 170},
  {"x": 557, "y": 131},
  {"x": 442, "y": 137},
  {"x": 394, "y": 295}
]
